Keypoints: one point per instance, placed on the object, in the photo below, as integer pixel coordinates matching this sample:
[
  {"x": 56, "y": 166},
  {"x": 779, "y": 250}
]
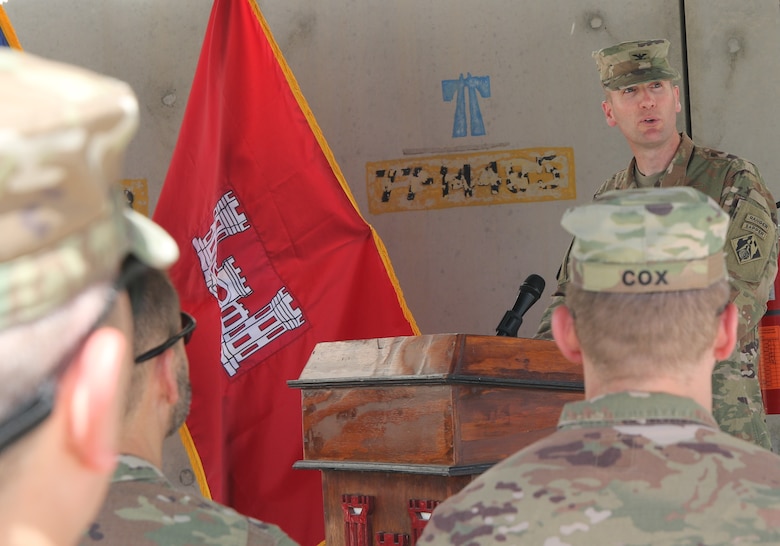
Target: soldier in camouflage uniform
[
  {"x": 69, "y": 247},
  {"x": 142, "y": 507},
  {"x": 641, "y": 460},
  {"x": 642, "y": 102}
]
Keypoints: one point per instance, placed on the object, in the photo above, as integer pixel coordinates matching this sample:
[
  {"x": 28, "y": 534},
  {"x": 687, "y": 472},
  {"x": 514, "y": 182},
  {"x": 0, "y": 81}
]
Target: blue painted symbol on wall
[{"x": 455, "y": 89}]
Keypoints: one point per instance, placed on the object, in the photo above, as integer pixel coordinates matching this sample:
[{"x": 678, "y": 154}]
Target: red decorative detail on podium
[
  {"x": 392, "y": 539},
  {"x": 420, "y": 513},
  {"x": 357, "y": 521}
]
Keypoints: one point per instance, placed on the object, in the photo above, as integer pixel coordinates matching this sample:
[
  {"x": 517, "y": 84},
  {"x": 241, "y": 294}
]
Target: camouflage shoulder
[
  {"x": 266, "y": 534},
  {"x": 521, "y": 500},
  {"x": 616, "y": 181},
  {"x": 751, "y": 253},
  {"x": 544, "y": 330},
  {"x": 130, "y": 468},
  {"x": 721, "y": 159},
  {"x": 743, "y": 165},
  {"x": 155, "y": 514},
  {"x": 737, "y": 404},
  {"x": 739, "y": 175},
  {"x": 749, "y": 184},
  {"x": 744, "y": 173},
  {"x": 751, "y": 249}
]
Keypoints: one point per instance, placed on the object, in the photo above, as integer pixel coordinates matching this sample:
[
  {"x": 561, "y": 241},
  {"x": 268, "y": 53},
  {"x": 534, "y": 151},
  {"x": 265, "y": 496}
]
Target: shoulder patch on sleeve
[
  {"x": 746, "y": 249},
  {"x": 752, "y": 235}
]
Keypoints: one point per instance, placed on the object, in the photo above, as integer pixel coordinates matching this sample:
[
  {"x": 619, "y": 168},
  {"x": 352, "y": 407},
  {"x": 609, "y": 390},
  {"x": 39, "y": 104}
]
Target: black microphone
[{"x": 530, "y": 291}]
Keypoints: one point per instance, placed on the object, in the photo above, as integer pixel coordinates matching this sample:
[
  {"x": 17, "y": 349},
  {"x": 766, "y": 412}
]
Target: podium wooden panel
[{"x": 397, "y": 425}]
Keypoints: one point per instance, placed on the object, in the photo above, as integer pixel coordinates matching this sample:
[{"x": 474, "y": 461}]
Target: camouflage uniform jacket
[
  {"x": 626, "y": 468},
  {"x": 751, "y": 258},
  {"x": 143, "y": 508}
]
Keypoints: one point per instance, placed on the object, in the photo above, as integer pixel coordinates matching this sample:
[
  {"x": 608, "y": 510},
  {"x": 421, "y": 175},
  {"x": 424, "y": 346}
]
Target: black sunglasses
[
  {"x": 32, "y": 412},
  {"x": 188, "y": 325}
]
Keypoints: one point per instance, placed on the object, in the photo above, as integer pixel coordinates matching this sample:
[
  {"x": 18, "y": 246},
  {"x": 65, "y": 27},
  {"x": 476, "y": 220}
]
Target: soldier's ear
[
  {"x": 89, "y": 399},
  {"x": 606, "y": 107},
  {"x": 165, "y": 370},
  {"x": 677, "y": 105},
  {"x": 564, "y": 334},
  {"x": 726, "y": 337}
]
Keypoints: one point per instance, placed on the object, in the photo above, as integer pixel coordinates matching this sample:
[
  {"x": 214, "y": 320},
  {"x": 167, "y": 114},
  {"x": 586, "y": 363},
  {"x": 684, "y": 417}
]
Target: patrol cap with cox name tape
[
  {"x": 64, "y": 221},
  {"x": 647, "y": 240}
]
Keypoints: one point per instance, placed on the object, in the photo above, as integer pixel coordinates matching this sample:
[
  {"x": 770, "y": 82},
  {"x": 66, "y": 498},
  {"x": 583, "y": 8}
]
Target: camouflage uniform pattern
[
  {"x": 142, "y": 508},
  {"x": 647, "y": 240},
  {"x": 62, "y": 139},
  {"x": 751, "y": 258},
  {"x": 630, "y": 63},
  {"x": 625, "y": 468}
]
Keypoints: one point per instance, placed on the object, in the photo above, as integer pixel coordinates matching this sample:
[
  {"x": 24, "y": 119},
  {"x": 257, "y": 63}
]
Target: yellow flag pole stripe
[
  {"x": 197, "y": 465},
  {"x": 8, "y": 30}
]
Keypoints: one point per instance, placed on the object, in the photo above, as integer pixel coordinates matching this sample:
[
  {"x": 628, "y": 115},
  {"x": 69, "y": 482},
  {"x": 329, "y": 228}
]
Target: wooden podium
[{"x": 396, "y": 425}]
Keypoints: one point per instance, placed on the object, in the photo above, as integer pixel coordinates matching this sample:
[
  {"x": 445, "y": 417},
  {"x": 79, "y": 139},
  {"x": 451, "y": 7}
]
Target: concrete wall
[
  {"x": 152, "y": 45},
  {"x": 734, "y": 52}
]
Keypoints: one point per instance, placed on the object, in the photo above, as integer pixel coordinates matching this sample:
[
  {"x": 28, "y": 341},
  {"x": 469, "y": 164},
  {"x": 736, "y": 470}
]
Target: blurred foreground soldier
[
  {"x": 641, "y": 460},
  {"x": 142, "y": 507},
  {"x": 642, "y": 102},
  {"x": 65, "y": 321}
]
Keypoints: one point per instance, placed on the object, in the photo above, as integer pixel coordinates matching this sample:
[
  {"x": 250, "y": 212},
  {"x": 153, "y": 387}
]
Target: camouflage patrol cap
[
  {"x": 63, "y": 133},
  {"x": 647, "y": 240},
  {"x": 632, "y": 63}
]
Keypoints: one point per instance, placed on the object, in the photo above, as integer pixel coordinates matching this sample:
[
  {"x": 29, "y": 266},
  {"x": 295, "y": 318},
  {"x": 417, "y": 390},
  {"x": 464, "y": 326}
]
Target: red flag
[{"x": 275, "y": 258}]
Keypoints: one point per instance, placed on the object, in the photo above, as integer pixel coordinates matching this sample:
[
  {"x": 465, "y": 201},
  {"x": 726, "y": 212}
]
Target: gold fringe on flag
[{"x": 8, "y": 31}]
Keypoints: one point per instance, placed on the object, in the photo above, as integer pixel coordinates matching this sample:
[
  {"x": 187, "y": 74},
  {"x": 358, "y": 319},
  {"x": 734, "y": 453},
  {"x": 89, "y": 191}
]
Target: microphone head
[
  {"x": 530, "y": 291},
  {"x": 533, "y": 284}
]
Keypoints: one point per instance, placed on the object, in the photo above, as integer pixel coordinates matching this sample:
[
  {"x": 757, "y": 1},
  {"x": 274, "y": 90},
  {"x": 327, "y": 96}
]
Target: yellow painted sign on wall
[
  {"x": 458, "y": 180},
  {"x": 137, "y": 194}
]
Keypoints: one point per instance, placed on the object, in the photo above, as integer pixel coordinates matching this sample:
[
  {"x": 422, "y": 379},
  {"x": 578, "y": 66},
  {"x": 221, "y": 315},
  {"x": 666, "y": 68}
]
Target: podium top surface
[{"x": 440, "y": 359}]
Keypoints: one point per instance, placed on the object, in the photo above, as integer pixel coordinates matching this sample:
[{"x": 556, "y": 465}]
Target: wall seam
[{"x": 687, "y": 87}]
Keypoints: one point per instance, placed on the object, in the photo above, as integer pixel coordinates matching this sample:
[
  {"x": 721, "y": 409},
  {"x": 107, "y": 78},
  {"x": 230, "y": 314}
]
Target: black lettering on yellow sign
[{"x": 458, "y": 180}]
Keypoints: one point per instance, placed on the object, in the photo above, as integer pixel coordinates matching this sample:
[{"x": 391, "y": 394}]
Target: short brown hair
[
  {"x": 624, "y": 334},
  {"x": 155, "y": 305}
]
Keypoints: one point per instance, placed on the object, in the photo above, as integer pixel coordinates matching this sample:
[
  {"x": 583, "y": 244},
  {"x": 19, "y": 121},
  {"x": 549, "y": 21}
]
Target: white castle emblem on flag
[{"x": 244, "y": 332}]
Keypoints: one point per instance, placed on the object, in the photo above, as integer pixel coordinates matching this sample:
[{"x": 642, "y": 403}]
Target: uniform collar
[
  {"x": 132, "y": 468},
  {"x": 634, "y": 407},
  {"x": 675, "y": 172}
]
